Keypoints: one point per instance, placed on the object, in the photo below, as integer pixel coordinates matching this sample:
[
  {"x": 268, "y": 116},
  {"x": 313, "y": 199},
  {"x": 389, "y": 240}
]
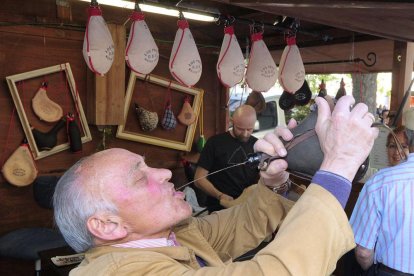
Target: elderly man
[
  {"x": 222, "y": 151},
  {"x": 131, "y": 221},
  {"x": 383, "y": 217}
]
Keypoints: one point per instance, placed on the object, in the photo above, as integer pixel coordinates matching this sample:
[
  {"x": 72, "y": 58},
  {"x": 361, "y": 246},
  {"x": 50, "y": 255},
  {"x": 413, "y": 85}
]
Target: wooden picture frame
[
  {"x": 151, "y": 92},
  {"x": 62, "y": 78}
]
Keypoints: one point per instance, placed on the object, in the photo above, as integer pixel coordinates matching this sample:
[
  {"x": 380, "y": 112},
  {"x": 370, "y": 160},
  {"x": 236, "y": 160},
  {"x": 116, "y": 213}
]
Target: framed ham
[
  {"x": 149, "y": 92},
  {"x": 61, "y": 90}
]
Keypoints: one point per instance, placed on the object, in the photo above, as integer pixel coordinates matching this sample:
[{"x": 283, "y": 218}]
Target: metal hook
[
  {"x": 232, "y": 19},
  {"x": 226, "y": 22},
  {"x": 229, "y": 20},
  {"x": 260, "y": 28},
  {"x": 137, "y": 8},
  {"x": 371, "y": 57}
]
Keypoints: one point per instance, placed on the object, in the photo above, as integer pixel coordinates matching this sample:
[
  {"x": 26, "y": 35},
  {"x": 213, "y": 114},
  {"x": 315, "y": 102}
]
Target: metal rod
[
  {"x": 401, "y": 107},
  {"x": 371, "y": 57}
]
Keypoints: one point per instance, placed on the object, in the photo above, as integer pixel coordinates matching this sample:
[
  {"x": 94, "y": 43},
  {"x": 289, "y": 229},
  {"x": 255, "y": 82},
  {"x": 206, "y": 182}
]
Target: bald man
[{"x": 224, "y": 150}]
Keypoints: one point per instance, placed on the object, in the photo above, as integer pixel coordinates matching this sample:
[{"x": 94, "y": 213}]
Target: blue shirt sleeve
[{"x": 366, "y": 217}]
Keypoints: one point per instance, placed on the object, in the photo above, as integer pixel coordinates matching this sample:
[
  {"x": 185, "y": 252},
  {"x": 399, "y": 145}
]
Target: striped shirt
[
  {"x": 383, "y": 217},
  {"x": 148, "y": 243},
  {"x": 160, "y": 242}
]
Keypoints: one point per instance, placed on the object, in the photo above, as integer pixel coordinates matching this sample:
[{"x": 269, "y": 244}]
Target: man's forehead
[{"x": 112, "y": 161}]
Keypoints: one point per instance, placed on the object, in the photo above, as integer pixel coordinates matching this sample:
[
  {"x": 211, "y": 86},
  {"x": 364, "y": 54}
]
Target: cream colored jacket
[{"x": 313, "y": 236}]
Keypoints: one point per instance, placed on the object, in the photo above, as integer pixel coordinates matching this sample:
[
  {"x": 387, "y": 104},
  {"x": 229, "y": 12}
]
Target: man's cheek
[{"x": 154, "y": 188}]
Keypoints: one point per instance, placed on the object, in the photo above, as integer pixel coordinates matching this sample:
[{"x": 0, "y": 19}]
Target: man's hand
[
  {"x": 225, "y": 197},
  {"x": 364, "y": 256},
  {"x": 276, "y": 174},
  {"x": 345, "y": 136}
]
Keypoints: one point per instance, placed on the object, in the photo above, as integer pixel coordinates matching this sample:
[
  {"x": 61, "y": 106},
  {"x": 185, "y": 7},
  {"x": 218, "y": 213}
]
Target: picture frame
[
  {"x": 150, "y": 91},
  {"x": 61, "y": 78}
]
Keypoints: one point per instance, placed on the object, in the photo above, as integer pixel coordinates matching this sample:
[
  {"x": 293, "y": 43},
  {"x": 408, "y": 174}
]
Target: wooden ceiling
[
  {"x": 328, "y": 30},
  {"x": 385, "y": 18}
]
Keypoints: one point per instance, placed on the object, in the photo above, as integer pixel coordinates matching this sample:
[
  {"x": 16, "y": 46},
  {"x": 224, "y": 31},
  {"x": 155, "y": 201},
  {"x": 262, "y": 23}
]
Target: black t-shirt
[{"x": 222, "y": 151}]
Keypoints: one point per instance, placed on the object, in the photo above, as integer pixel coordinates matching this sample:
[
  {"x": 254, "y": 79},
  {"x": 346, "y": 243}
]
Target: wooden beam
[
  {"x": 403, "y": 60},
  {"x": 374, "y": 18},
  {"x": 106, "y": 95},
  {"x": 358, "y": 4}
]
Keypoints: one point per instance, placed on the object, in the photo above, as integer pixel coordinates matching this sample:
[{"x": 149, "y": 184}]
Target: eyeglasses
[{"x": 394, "y": 147}]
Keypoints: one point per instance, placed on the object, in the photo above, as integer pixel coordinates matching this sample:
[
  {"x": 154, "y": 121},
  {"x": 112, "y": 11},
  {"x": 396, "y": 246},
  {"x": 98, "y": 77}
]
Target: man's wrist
[
  {"x": 219, "y": 195},
  {"x": 337, "y": 185},
  {"x": 281, "y": 189},
  {"x": 337, "y": 167}
]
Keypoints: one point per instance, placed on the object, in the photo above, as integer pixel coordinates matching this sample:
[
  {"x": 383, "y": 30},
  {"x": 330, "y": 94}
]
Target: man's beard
[{"x": 242, "y": 138}]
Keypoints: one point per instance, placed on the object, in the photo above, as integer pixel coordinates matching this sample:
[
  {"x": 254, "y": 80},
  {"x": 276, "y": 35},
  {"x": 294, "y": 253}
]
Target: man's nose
[
  {"x": 162, "y": 174},
  {"x": 246, "y": 133}
]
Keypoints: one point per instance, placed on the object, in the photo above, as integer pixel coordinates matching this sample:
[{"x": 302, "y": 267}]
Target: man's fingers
[
  {"x": 276, "y": 144},
  {"x": 276, "y": 168},
  {"x": 369, "y": 118},
  {"x": 324, "y": 111},
  {"x": 360, "y": 110},
  {"x": 344, "y": 105},
  {"x": 292, "y": 123},
  {"x": 284, "y": 132}
]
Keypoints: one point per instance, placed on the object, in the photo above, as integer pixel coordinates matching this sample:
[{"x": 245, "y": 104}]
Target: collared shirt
[
  {"x": 383, "y": 217},
  {"x": 147, "y": 243},
  {"x": 160, "y": 242}
]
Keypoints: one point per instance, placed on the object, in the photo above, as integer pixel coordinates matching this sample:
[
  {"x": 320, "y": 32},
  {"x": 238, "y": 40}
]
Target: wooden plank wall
[{"x": 25, "y": 47}]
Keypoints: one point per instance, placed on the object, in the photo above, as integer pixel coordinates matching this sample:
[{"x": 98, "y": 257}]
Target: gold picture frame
[
  {"x": 62, "y": 77},
  {"x": 151, "y": 92}
]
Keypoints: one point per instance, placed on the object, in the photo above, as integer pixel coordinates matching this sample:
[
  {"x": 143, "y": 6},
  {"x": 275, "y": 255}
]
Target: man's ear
[{"x": 106, "y": 227}]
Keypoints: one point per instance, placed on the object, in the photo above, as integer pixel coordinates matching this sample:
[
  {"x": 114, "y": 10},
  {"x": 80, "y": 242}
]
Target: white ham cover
[
  {"x": 291, "y": 68},
  {"x": 261, "y": 72},
  {"x": 98, "y": 46},
  {"x": 141, "y": 52},
  {"x": 230, "y": 65},
  {"x": 185, "y": 62}
]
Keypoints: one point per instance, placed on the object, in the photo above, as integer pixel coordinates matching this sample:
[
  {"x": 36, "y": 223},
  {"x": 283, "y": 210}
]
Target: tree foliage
[{"x": 300, "y": 112}]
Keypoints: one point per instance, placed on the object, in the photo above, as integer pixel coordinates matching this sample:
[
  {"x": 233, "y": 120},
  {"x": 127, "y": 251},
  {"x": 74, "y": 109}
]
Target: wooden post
[
  {"x": 63, "y": 10},
  {"x": 402, "y": 69},
  {"x": 106, "y": 95}
]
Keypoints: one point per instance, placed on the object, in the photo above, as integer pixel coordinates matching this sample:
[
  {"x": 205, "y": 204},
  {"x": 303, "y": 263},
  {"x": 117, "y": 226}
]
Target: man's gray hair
[{"x": 73, "y": 205}]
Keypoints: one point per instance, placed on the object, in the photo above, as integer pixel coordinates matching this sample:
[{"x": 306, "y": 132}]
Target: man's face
[
  {"x": 243, "y": 128},
  {"x": 147, "y": 202}
]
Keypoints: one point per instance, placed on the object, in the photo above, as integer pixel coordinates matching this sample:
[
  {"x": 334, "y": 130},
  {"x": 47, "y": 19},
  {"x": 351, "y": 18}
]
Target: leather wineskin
[
  {"x": 305, "y": 158},
  {"x": 74, "y": 135},
  {"x": 48, "y": 140}
]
